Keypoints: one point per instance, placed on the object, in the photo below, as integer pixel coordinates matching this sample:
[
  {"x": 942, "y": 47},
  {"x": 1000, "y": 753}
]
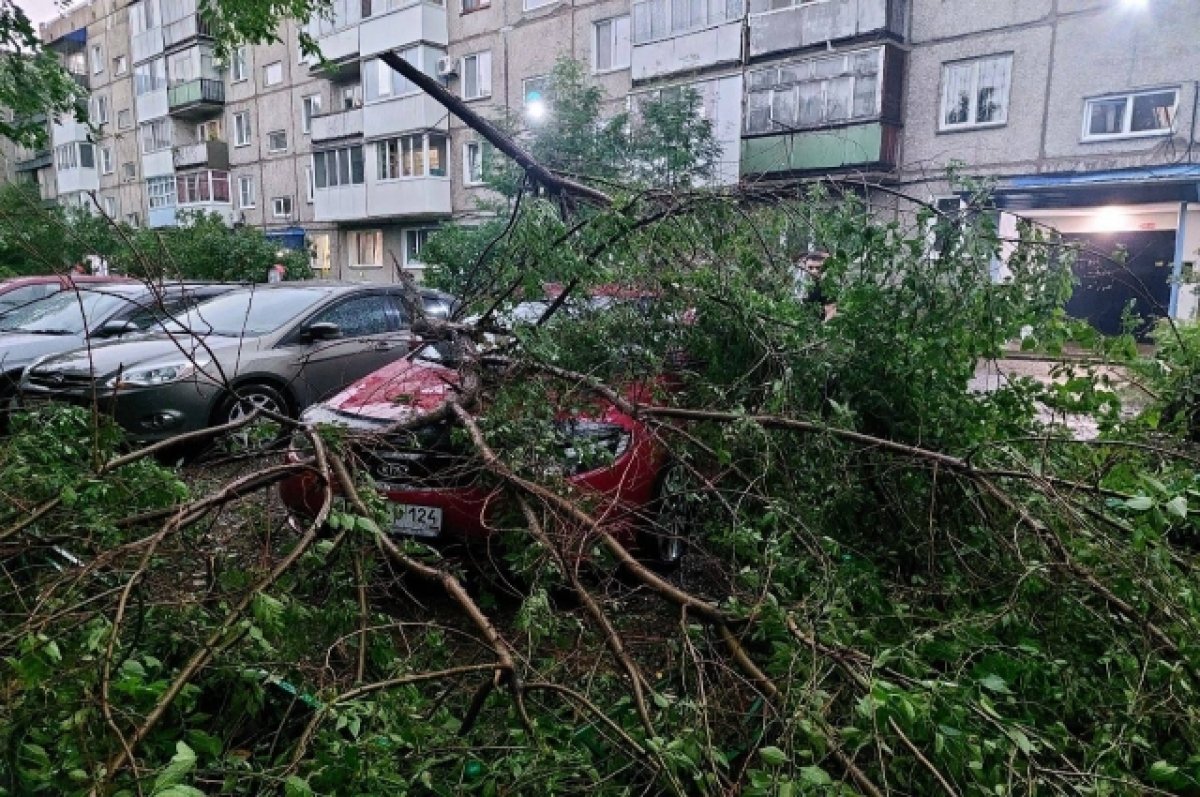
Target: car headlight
[
  {"x": 593, "y": 444},
  {"x": 155, "y": 375}
]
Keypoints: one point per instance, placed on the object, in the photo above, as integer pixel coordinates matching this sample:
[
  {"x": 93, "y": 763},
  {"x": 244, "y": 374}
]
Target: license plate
[{"x": 416, "y": 521}]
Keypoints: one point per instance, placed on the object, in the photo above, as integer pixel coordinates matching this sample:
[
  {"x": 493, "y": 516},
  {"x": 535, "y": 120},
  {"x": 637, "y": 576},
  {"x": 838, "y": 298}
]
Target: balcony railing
[
  {"x": 342, "y": 124},
  {"x": 201, "y": 90},
  {"x": 190, "y": 27},
  {"x": 214, "y": 154},
  {"x": 37, "y": 160}
]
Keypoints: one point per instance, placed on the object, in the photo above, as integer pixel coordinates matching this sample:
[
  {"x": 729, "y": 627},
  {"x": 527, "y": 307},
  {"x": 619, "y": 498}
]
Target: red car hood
[{"x": 398, "y": 391}]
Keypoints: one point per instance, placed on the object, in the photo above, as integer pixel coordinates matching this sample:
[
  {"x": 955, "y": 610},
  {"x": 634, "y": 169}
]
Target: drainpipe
[{"x": 1177, "y": 269}]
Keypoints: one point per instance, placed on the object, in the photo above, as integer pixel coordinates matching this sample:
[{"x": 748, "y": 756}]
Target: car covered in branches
[
  {"x": 273, "y": 348},
  {"x": 437, "y": 489}
]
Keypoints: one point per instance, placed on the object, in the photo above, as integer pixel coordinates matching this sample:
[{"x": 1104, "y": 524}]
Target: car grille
[
  {"x": 59, "y": 380},
  {"x": 427, "y": 457}
]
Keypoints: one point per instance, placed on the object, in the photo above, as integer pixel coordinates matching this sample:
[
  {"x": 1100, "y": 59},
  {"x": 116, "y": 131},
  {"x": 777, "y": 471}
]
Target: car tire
[
  {"x": 663, "y": 541},
  {"x": 250, "y": 396}
]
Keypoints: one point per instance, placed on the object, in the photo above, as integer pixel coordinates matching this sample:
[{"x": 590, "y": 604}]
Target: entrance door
[{"x": 1106, "y": 285}]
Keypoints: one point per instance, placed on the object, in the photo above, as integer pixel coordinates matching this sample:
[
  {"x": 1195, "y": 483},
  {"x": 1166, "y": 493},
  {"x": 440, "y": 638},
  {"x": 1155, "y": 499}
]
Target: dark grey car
[
  {"x": 94, "y": 312},
  {"x": 280, "y": 347}
]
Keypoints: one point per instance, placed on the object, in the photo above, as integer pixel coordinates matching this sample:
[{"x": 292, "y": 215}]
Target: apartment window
[
  {"x": 100, "y": 109},
  {"x": 205, "y": 186},
  {"x": 477, "y": 75},
  {"x": 161, "y": 191},
  {"x": 309, "y": 186},
  {"x": 120, "y": 65},
  {"x": 382, "y": 82},
  {"x": 529, "y": 5},
  {"x": 812, "y": 92},
  {"x": 1144, "y": 113},
  {"x": 110, "y": 206},
  {"x": 209, "y": 131},
  {"x": 238, "y": 69},
  {"x": 150, "y": 76},
  {"x": 975, "y": 93},
  {"x": 65, "y": 157},
  {"x": 310, "y": 106},
  {"x": 610, "y": 44},
  {"x": 106, "y": 160},
  {"x": 535, "y": 89},
  {"x": 87, "y": 156},
  {"x": 659, "y": 19},
  {"x": 351, "y": 97},
  {"x": 142, "y": 17},
  {"x": 132, "y": 219},
  {"x": 366, "y": 249},
  {"x": 420, "y": 155},
  {"x": 277, "y": 141},
  {"x": 414, "y": 245},
  {"x": 281, "y": 207},
  {"x": 124, "y": 119},
  {"x": 156, "y": 135},
  {"x": 273, "y": 74},
  {"x": 321, "y": 251},
  {"x": 474, "y": 5},
  {"x": 245, "y": 185},
  {"x": 473, "y": 162},
  {"x": 336, "y": 167},
  {"x": 97, "y": 59},
  {"x": 128, "y": 171},
  {"x": 241, "y": 129}
]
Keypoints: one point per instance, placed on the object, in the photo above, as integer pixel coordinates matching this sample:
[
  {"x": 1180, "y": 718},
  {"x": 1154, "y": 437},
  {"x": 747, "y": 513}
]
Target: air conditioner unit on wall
[{"x": 447, "y": 67}]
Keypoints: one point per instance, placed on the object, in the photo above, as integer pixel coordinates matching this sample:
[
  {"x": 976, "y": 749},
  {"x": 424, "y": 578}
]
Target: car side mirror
[
  {"x": 322, "y": 330},
  {"x": 115, "y": 328}
]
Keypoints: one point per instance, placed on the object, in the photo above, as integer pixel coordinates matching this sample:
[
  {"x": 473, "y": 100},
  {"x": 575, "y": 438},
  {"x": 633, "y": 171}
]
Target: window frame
[
  {"x": 422, "y": 236},
  {"x": 310, "y": 106},
  {"x": 97, "y": 54},
  {"x": 276, "y": 202},
  {"x": 973, "y": 109},
  {"x": 238, "y": 141},
  {"x": 120, "y": 64},
  {"x": 467, "y": 147},
  {"x": 266, "y": 72},
  {"x": 128, "y": 119},
  {"x": 342, "y": 161},
  {"x": 271, "y": 148},
  {"x": 107, "y": 163},
  {"x": 246, "y": 180},
  {"x": 1127, "y": 116},
  {"x": 534, "y": 5},
  {"x": 479, "y": 84},
  {"x": 612, "y": 35},
  {"x": 239, "y": 65},
  {"x": 353, "y": 248},
  {"x": 478, "y": 5},
  {"x": 155, "y": 126}
]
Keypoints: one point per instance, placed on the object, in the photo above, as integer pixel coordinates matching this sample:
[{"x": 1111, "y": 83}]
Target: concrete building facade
[{"x": 1082, "y": 111}]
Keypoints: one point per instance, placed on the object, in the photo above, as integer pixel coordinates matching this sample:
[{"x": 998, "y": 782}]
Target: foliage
[
  {"x": 39, "y": 239},
  {"x": 33, "y": 84}
]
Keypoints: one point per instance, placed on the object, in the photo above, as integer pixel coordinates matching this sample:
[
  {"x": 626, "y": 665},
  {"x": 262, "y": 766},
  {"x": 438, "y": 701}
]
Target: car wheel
[
  {"x": 663, "y": 543},
  {"x": 262, "y": 432}
]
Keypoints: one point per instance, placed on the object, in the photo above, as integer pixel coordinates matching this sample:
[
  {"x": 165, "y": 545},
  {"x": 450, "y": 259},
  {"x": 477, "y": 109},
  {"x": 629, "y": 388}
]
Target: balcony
[
  {"x": 408, "y": 113},
  {"x": 146, "y": 45},
  {"x": 340, "y": 49},
  {"x": 420, "y": 197},
  {"x": 824, "y": 112},
  {"x": 196, "y": 99},
  {"x": 344, "y": 124},
  {"x": 36, "y": 160},
  {"x": 418, "y": 22},
  {"x": 343, "y": 203},
  {"x": 213, "y": 154},
  {"x": 184, "y": 30},
  {"x": 669, "y": 38},
  {"x": 77, "y": 179},
  {"x": 814, "y": 23},
  {"x": 205, "y": 191}
]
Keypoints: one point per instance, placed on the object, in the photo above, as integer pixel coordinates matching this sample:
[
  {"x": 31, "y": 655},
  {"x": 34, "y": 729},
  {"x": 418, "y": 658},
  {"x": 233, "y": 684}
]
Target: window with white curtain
[
  {"x": 156, "y": 135},
  {"x": 814, "y": 92},
  {"x": 366, "y": 249},
  {"x": 245, "y": 185},
  {"x": 975, "y": 93}
]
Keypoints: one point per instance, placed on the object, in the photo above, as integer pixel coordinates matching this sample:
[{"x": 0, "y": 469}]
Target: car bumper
[{"x": 147, "y": 414}]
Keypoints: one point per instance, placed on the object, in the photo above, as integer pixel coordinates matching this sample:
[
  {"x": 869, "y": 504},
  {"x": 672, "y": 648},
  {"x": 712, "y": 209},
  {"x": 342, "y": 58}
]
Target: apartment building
[{"x": 1082, "y": 111}]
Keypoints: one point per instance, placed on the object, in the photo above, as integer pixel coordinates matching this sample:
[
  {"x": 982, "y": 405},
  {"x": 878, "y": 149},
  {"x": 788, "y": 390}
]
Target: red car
[
  {"x": 436, "y": 487},
  {"x": 20, "y": 291}
]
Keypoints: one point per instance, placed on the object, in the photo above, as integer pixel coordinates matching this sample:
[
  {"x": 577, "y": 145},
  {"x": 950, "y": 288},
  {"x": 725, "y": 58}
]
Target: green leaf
[
  {"x": 772, "y": 756},
  {"x": 181, "y": 765},
  {"x": 1178, "y": 506},
  {"x": 179, "y": 790},
  {"x": 815, "y": 776},
  {"x": 1139, "y": 503},
  {"x": 295, "y": 786},
  {"x": 994, "y": 683},
  {"x": 367, "y": 525},
  {"x": 1162, "y": 771}
]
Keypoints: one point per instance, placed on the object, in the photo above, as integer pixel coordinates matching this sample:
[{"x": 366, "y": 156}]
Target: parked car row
[{"x": 166, "y": 360}]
